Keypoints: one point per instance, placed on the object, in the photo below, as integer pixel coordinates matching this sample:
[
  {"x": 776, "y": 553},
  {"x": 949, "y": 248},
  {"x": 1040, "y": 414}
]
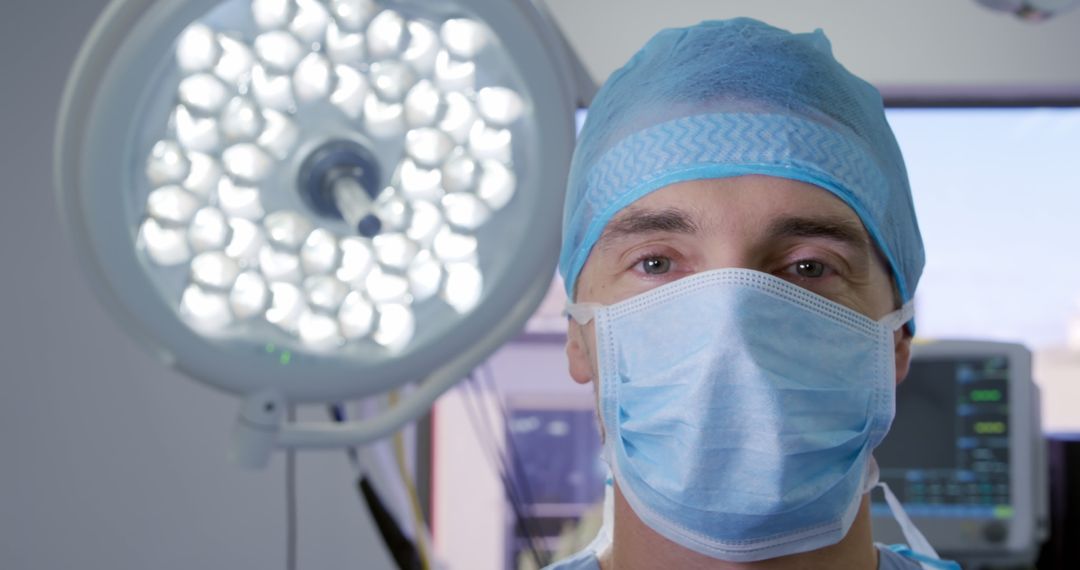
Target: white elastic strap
[
  {"x": 605, "y": 535},
  {"x": 915, "y": 539},
  {"x": 899, "y": 317},
  {"x": 582, "y": 312},
  {"x": 608, "y": 523}
]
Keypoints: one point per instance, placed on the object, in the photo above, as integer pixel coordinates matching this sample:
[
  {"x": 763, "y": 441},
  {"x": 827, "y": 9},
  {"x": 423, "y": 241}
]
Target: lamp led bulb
[
  {"x": 356, "y": 316},
  {"x": 206, "y": 311},
  {"x": 272, "y": 14},
  {"x": 166, "y": 246},
  {"x": 172, "y": 205},
  {"x": 320, "y": 252},
  {"x": 287, "y": 229},
  {"x": 464, "y": 38},
  {"x": 425, "y": 276},
  {"x": 286, "y": 306},
  {"x": 397, "y": 324},
  {"x": 278, "y": 265},
  {"x": 280, "y": 135},
  {"x": 204, "y": 93},
  {"x": 197, "y": 48},
  {"x": 166, "y": 164},
  {"x": 236, "y": 62},
  {"x": 344, "y": 47},
  {"x": 279, "y": 51},
  {"x": 325, "y": 292},
  {"x": 310, "y": 22},
  {"x": 353, "y": 14},
  {"x": 385, "y": 287},
  {"x": 249, "y": 295},
  {"x": 209, "y": 230},
  {"x": 465, "y": 211},
  {"x": 356, "y": 260},
  {"x": 428, "y": 147},
  {"x": 313, "y": 78},
  {"x": 386, "y": 35},
  {"x": 246, "y": 241},
  {"x": 319, "y": 331},
  {"x": 196, "y": 134},
  {"x": 204, "y": 174},
  {"x": 351, "y": 91},
  {"x": 214, "y": 270},
  {"x": 241, "y": 120},
  {"x": 272, "y": 90}
]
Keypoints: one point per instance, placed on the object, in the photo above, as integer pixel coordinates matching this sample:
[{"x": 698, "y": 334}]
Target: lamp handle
[{"x": 261, "y": 427}]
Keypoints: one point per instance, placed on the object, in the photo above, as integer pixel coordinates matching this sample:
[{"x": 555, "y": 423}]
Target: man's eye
[
  {"x": 655, "y": 265},
  {"x": 810, "y": 268}
]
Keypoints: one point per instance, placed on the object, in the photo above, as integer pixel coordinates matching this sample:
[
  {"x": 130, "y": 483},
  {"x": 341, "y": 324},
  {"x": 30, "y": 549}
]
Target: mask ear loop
[
  {"x": 582, "y": 313},
  {"x": 923, "y": 552},
  {"x": 920, "y": 548},
  {"x": 899, "y": 317}
]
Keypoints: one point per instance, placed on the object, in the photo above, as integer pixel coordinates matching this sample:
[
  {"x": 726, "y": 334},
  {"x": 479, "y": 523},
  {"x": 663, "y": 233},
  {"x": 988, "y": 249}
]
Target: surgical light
[
  {"x": 302, "y": 201},
  {"x": 1031, "y": 10}
]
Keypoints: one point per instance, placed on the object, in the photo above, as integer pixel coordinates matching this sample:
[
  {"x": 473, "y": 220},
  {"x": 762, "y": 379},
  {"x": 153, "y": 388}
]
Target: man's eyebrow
[
  {"x": 638, "y": 222},
  {"x": 836, "y": 229}
]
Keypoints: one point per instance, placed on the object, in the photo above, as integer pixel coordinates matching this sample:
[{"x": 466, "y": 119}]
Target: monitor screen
[
  {"x": 996, "y": 194},
  {"x": 947, "y": 454}
]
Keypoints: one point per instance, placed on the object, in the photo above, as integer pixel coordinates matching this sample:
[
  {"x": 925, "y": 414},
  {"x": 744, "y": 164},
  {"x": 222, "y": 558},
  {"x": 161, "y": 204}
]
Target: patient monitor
[{"x": 966, "y": 454}]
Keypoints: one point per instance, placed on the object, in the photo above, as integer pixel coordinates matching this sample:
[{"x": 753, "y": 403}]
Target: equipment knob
[{"x": 995, "y": 532}]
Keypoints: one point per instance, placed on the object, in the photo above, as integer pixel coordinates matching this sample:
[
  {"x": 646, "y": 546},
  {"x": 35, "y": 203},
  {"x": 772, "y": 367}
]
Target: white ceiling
[{"x": 902, "y": 46}]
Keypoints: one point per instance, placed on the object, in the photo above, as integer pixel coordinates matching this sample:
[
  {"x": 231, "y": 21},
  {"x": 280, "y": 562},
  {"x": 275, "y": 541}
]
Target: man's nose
[{"x": 732, "y": 254}]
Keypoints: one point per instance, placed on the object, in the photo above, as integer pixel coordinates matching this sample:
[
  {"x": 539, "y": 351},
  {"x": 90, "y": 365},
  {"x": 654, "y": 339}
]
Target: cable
[
  {"x": 290, "y": 500},
  {"x": 414, "y": 497},
  {"x": 498, "y": 460},
  {"x": 515, "y": 456},
  {"x": 337, "y": 413},
  {"x": 401, "y": 549},
  {"x": 522, "y": 485},
  {"x": 485, "y": 434},
  {"x": 524, "y": 493}
]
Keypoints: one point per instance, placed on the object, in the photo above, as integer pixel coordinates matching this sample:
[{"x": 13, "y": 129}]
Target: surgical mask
[{"x": 741, "y": 410}]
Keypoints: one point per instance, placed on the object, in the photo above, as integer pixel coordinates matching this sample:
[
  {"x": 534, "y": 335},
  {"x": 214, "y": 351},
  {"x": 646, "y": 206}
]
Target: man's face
[{"x": 790, "y": 229}]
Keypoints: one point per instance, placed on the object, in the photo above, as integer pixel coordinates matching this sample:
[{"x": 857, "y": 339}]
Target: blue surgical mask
[{"x": 741, "y": 410}]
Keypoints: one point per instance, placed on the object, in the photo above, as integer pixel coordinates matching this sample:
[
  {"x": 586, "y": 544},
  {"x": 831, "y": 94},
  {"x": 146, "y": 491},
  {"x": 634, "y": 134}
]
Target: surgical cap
[{"x": 735, "y": 97}]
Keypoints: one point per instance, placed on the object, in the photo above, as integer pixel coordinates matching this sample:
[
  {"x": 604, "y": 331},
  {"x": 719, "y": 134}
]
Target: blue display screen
[{"x": 947, "y": 454}]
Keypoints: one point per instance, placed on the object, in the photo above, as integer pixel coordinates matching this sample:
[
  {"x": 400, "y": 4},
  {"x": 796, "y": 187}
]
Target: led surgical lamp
[{"x": 305, "y": 201}]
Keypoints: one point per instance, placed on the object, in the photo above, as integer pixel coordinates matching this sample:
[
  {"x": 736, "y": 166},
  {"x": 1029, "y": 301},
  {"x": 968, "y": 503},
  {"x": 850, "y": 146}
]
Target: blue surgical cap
[{"x": 735, "y": 97}]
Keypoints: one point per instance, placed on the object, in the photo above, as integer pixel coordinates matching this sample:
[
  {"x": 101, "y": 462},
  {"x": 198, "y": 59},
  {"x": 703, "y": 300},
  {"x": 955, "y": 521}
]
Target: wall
[
  {"x": 108, "y": 461},
  {"x": 111, "y": 462}
]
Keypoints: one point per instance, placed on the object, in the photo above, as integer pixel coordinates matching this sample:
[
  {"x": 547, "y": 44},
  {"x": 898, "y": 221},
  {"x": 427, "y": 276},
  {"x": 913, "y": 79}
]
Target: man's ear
[
  {"x": 578, "y": 356},
  {"x": 902, "y": 352}
]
